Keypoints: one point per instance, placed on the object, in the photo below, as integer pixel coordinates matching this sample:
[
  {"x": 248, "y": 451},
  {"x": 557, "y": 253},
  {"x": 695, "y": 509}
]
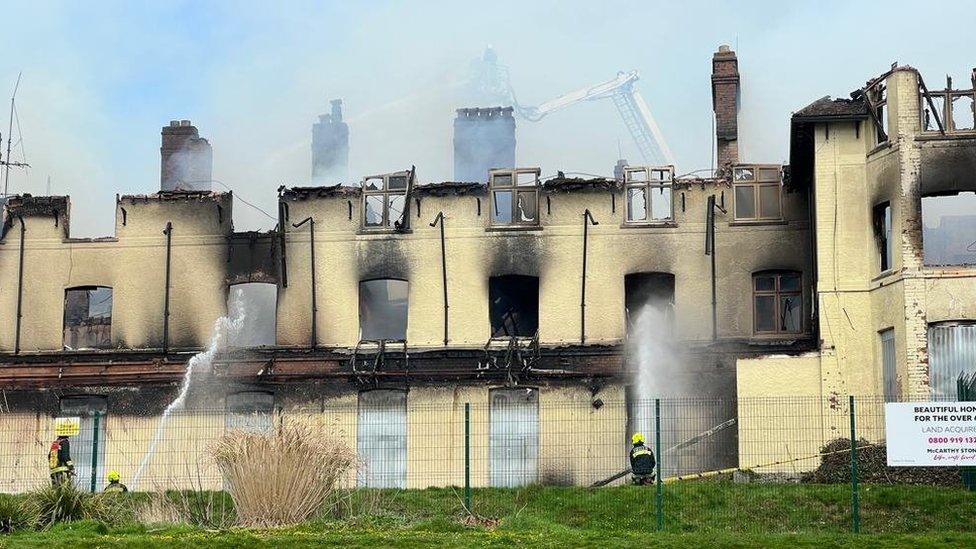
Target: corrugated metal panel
[
  {"x": 382, "y": 439},
  {"x": 250, "y": 411},
  {"x": 889, "y": 365},
  {"x": 82, "y": 446},
  {"x": 952, "y": 351},
  {"x": 514, "y": 436}
]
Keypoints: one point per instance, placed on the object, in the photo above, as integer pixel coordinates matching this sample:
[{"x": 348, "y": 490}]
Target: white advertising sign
[{"x": 931, "y": 433}]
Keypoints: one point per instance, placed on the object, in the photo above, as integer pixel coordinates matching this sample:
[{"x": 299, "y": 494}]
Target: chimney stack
[
  {"x": 330, "y": 147},
  {"x": 483, "y": 139},
  {"x": 186, "y": 162},
  {"x": 725, "y": 103}
]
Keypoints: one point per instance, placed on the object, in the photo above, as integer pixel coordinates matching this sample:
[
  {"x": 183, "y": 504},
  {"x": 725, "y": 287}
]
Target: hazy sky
[{"x": 101, "y": 78}]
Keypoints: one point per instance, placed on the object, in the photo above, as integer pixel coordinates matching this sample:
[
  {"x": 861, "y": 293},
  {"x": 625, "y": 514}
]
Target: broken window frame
[
  {"x": 778, "y": 294},
  {"x": 387, "y": 195},
  {"x": 883, "y": 221},
  {"x": 655, "y": 178},
  {"x": 877, "y": 98},
  {"x": 945, "y": 121},
  {"x": 106, "y": 343},
  {"x": 757, "y": 184},
  {"x": 515, "y": 189}
]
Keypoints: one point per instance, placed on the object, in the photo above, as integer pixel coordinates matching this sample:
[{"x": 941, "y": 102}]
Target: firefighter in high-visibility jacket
[
  {"x": 115, "y": 483},
  {"x": 641, "y": 461},
  {"x": 59, "y": 460}
]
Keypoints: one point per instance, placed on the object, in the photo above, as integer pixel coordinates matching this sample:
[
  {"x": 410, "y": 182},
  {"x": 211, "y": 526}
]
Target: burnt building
[
  {"x": 186, "y": 159},
  {"x": 330, "y": 147},
  {"x": 483, "y": 139}
]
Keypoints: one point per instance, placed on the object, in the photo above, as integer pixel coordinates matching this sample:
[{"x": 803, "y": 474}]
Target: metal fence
[{"x": 719, "y": 462}]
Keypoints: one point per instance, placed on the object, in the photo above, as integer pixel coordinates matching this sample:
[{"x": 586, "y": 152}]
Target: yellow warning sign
[{"x": 67, "y": 426}]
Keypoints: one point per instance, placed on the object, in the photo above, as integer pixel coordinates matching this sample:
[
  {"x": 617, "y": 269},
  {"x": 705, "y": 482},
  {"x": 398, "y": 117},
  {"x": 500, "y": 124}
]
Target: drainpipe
[
  {"x": 710, "y": 250},
  {"x": 169, "y": 246},
  {"x": 315, "y": 309},
  {"x": 282, "y": 217},
  {"x": 20, "y": 284},
  {"x": 587, "y": 219},
  {"x": 440, "y": 220}
]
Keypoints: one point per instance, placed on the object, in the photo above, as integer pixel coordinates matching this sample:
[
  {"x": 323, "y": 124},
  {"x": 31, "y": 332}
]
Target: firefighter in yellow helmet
[
  {"x": 59, "y": 461},
  {"x": 641, "y": 461},
  {"x": 114, "y": 484}
]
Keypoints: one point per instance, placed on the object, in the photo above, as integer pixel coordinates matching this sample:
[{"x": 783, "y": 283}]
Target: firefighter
[
  {"x": 59, "y": 460},
  {"x": 641, "y": 461},
  {"x": 113, "y": 483}
]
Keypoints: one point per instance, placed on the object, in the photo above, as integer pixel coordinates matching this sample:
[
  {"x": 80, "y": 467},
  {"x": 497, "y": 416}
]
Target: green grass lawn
[{"x": 715, "y": 514}]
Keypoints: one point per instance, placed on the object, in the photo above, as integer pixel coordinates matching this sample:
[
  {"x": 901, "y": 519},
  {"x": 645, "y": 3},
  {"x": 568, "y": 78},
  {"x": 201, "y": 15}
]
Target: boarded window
[
  {"x": 952, "y": 351},
  {"x": 882, "y": 234},
  {"x": 256, "y": 305},
  {"x": 777, "y": 303},
  {"x": 82, "y": 446},
  {"x": 889, "y": 368},
  {"x": 648, "y": 290},
  {"x": 513, "y": 305},
  {"x": 383, "y": 309},
  {"x": 949, "y": 229},
  {"x": 88, "y": 318},
  {"x": 514, "y": 436},
  {"x": 251, "y": 411},
  {"x": 382, "y": 439}
]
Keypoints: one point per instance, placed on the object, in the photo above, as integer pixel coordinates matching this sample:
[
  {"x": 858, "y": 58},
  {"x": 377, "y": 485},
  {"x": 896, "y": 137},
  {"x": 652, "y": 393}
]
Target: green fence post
[
  {"x": 659, "y": 496},
  {"x": 467, "y": 457},
  {"x": 94, "y": 458},
  {"x": 855, "y": 495}
]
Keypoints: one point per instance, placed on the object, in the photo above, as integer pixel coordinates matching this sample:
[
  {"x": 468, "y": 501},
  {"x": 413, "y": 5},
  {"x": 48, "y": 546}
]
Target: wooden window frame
[
  {"x": 387, "y": 224},
  {"x": 515, "y": 189},
  {"x": 778, "y": 294},
  {"x": 648, "y": 185},
  {"x": 757, "y": 185}
]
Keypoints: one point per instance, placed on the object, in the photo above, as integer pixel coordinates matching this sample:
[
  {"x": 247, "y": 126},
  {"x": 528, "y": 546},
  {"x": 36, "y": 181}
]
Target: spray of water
[
  {"x": 226, "y": 329},
  {"x": 658, "y": 371}
]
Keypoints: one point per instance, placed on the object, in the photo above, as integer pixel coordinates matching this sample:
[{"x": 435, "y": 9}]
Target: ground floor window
[
  {"x": 251, "y": 411},
  {"x": 89, "y": 463},
  {"x": 382, "y": 439},
  {"x": 952, "y": 352},
  {"x": 889, "y": 367},
  {"x": 514, "y": 436}
]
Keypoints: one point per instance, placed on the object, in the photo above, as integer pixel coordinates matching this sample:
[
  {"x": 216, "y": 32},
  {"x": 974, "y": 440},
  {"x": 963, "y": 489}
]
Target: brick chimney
[
  {"x": 186, "y": 159},
  {"x": 725, "y": 103}
]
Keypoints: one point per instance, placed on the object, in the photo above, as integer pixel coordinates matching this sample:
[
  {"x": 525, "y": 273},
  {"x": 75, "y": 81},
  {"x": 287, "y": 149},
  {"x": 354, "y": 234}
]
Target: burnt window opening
[
  {"x": 949, "y": 229},
  {"x": 881, "y": 216},
  {"x": 879, "y": 103},
  {"x": 649, "y": 301},
  {"x": 757, "y": 193},
  {"x": 649, "y": 194},
  {"x": 956, "y": 109},
  {"x": 513, "y": 305},
  {"x": 777, "y": 303},
  {"x": 88, "y": 318},
  {"x": 251, "y": 411},
  {"x": 383, "y": 309},
  {"x": 514, "y": 197},
  {"x": 256, "y": 304},
  {"x": 385, "y": 201}
]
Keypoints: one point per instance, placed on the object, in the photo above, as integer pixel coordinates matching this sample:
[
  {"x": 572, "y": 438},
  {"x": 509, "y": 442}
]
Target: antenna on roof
[{"x": 10, "y": 128}]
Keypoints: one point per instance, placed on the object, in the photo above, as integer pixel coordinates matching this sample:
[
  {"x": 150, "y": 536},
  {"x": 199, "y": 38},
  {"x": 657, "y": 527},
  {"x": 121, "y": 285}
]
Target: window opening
[
  {"x": 649, "y": 194},
  {"x": 513, "y": 305},
  {"x": 757, "y": 193},
  {"x": 514, "y": 197},
  {"x": 777, "y": 303},
  {"x": 383, "y": 309},
  {"x": 88, "y": 318}
]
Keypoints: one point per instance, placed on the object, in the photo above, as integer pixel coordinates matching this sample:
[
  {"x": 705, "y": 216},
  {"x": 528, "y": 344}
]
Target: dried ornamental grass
[{"x": 281, "y": 477}]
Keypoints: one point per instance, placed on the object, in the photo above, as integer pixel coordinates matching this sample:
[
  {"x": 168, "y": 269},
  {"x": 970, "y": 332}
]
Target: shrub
[
  {"x": 66, "y": 503},
  {"x": 13, "y": 514},
  {"x": 282, "y": 477},
  {"x": 872, "y": 466}
]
